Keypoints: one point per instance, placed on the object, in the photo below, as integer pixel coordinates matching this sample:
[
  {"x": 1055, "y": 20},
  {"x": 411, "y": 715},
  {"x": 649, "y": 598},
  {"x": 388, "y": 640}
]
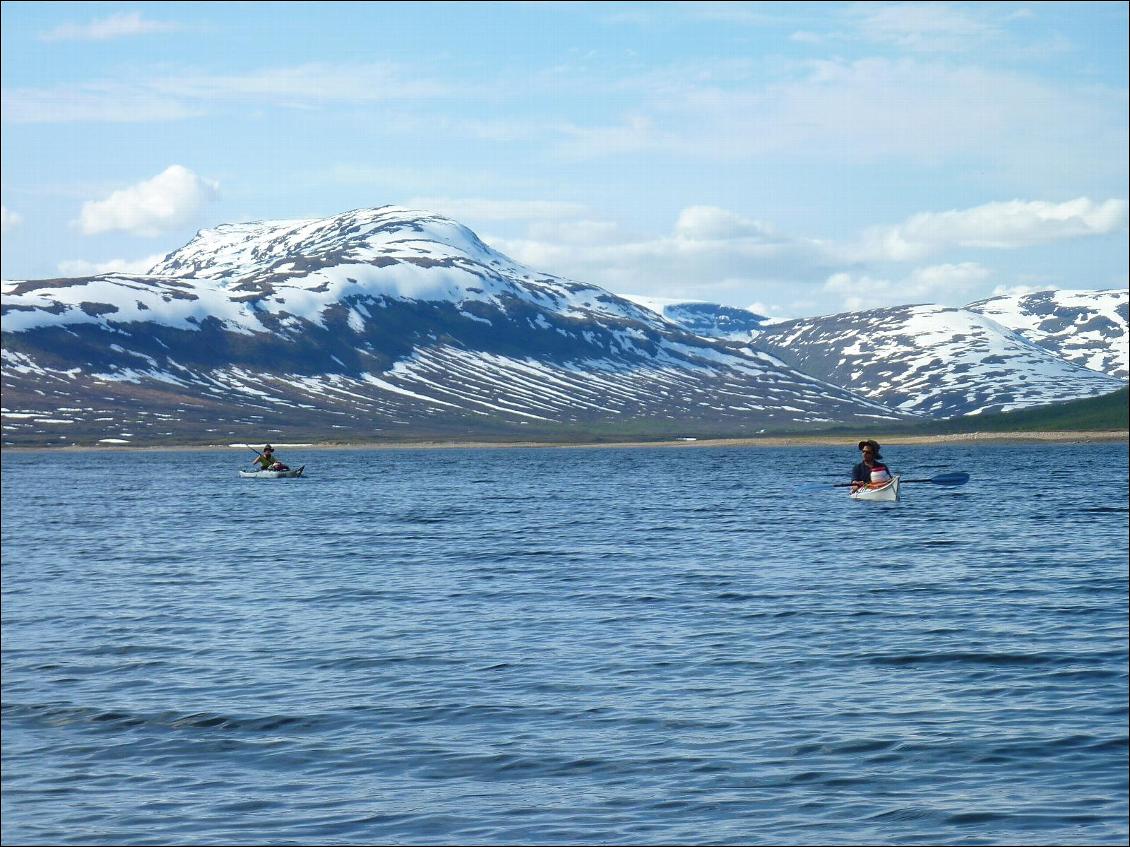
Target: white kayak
[
  {"x": 888, "y": 492},
  {"x": 287, "y": 474}
]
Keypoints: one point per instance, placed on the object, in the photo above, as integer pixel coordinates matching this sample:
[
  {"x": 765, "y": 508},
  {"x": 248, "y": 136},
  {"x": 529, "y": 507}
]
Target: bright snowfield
[
  {"x": 300, "y": 268},
  {"x": 710, "y": 319},
  {"x": 1085, "y": 327},
  {"x": 933, "y": 360},
  {"x": 1089, "y": 328},
  {"x": 376, "y": 321}
]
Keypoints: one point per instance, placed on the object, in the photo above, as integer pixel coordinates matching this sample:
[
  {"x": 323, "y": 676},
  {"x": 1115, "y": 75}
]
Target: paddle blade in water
[
  {"x": 958, "y": 478},
  {"x": 951, "y": 479}
]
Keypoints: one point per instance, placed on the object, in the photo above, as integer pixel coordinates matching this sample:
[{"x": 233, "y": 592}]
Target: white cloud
[
  {"x": 710, "y": 254},
  {"x": 709, "y": 223},
  {"x": 1000, "y": 225},
  {"x": 719, "y": 255},
  {"x": 9, "y": 219},
  {"x": 1016, "y": 290},
  {"x": 924, "y": 27},
  {"x": 116, "y": 26},
  {"x": 933, "y": 284},
  {"x": 172, "y": 198},
  {"x": 81, "y": 267}
]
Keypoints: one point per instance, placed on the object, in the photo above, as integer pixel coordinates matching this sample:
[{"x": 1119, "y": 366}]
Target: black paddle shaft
[{"x": 958, "y": 478}]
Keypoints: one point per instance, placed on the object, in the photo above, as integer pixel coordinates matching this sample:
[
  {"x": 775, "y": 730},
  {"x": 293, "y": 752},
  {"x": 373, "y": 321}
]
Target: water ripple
[{"x": 563, "y": 646}]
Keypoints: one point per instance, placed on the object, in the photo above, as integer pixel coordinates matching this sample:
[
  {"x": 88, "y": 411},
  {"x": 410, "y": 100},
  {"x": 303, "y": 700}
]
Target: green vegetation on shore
[{"x": 1106, "y": 412}]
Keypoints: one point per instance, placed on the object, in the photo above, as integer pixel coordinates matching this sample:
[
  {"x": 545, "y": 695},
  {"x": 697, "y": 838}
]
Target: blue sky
[{"x": 796, "y": 158}]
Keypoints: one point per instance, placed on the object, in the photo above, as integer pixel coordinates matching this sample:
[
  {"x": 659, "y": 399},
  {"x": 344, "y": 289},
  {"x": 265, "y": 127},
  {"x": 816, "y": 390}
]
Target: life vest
[{"x": 880, "y": 475}]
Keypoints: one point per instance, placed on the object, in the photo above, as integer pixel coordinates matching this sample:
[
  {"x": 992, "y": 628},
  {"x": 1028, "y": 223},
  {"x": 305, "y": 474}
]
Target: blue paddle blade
[
  {"x": 951, "y": 479},
  {"x": 957, "y": 478}
]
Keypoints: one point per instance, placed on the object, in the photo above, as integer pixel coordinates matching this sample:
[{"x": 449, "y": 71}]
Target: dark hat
[{"x": 869, "y": 442}]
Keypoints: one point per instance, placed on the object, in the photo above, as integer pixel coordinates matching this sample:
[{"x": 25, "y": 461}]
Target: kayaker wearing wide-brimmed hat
[
  {"x": 871, "y": 470},
  {"x": 267, "y": 461}
]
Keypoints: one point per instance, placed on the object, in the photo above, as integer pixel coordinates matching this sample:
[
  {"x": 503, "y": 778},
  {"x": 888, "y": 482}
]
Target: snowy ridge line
[
  {"x": 242, "y": 284},
  {"x": 1089, "y": 328},
  {"x": 932, "y": 360}
]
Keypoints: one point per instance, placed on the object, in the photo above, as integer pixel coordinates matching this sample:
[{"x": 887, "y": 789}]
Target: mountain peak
[{"x": 360, "y": 235}]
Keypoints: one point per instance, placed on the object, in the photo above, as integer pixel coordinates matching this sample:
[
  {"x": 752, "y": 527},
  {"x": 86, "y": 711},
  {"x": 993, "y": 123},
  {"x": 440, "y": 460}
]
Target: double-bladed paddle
[{"x": 956, "y": 478}]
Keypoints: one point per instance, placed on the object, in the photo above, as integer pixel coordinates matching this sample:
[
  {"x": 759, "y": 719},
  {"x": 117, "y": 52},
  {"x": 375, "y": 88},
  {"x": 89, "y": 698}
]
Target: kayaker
[
  {"x": 871, "y": 470},
  {"x": 265, "y": 459}
]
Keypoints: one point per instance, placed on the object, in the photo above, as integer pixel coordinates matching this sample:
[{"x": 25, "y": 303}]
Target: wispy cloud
[
  {"x": 901, "y": 111},
  {"x": 172, "y": 198},
  {"x": 1001, "y": 225},
  {"x": 710, "y": 254},
  {"x": 185, "y": 95},
  {"x": 1017, "y": 290},
  {"x": 311, "y": 82},
  {"x": 102, "y": 102},
  {"x": 925, "y": 27},
  {"x": 933, "y": 284},
  {"x": 122, "y": 25},
  {"x": 829, "y": 111},
  {"x": 9, "y": 219}
]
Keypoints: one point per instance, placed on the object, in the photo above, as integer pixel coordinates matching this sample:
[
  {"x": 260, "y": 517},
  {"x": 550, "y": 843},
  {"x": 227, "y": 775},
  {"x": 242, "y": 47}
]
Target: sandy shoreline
[{"x": 969, "y": 438}]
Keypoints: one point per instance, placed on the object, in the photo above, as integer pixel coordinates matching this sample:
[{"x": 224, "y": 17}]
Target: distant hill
[
  {"x": 1089, "y": 328},
  {"x": 937, "y": 362}
]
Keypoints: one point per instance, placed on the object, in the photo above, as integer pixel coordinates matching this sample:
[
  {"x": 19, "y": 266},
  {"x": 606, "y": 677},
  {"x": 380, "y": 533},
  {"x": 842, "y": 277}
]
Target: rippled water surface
[{"x": 565, "y": 646}]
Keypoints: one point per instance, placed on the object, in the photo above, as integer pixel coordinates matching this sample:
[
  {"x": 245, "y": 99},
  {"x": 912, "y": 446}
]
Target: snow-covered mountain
[
  {"x": 1089, "y": 328},
  {"x": 930, "y": 360},
  {"x": 710, "y": 319},
  {"x": 373, "y": 323}
]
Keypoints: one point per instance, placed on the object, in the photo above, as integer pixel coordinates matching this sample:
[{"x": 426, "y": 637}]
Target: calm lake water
[{"x": 536, "y": 646}]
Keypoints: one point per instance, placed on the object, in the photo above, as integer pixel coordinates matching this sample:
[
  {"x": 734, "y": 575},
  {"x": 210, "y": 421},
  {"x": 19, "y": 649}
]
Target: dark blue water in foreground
[{"x": 545, "y": 646}]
